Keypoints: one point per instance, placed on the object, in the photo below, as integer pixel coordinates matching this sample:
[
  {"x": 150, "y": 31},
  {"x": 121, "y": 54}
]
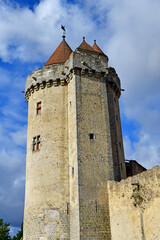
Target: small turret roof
[
  {"x": 85, "y": 46},
  {"x": 61, "y": 54},
  {"x": 97, "y": 48}
]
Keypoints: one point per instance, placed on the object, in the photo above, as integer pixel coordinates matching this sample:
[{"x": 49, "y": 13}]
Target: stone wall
[
  {"x": 94, "y": 157},
  {"x": 134, "y": 206},
  {"x": 47, "y": 183}
]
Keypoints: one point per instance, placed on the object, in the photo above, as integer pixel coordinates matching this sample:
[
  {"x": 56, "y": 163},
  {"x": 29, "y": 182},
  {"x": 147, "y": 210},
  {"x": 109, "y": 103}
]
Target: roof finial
[
  {"x": 83, "y": 38},
  {"x": 64, "y": 31},
  {"x": 94, "y": 41}
]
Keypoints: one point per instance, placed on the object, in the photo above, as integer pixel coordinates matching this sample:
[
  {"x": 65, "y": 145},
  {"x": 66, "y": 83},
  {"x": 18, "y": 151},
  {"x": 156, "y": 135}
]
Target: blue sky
[{"x": 127, "y": 31}]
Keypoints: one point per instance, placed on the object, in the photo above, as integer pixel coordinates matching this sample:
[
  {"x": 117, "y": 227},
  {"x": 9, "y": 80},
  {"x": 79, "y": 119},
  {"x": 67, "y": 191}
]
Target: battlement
[{"x": 87, "y": 63}]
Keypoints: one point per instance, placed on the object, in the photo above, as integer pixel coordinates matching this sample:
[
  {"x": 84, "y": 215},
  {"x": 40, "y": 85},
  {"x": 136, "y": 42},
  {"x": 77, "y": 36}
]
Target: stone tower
[{"x": 74, "y": 145}]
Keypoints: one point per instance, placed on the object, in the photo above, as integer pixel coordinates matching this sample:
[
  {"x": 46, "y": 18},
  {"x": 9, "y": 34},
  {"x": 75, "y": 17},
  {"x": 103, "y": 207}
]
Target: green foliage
[
  {"x": 137, "y": 199},
  {"x": 19, "y": 234},
  {"x": 4, "y": 230}
]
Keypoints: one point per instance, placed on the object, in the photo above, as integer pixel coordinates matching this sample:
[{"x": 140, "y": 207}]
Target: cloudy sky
[{"x": 127, "y": 31}]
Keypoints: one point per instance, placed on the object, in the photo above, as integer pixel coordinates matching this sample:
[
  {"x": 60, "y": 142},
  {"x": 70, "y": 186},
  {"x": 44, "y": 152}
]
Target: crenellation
[
  {"x": 31, "y": 84},
  {"x": 49, "y": 83},
  {"x": 62, "y": 82},
  {"x": 43, "y": 84}
]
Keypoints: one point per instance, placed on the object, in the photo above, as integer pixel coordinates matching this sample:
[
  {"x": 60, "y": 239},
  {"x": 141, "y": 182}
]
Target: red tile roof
[
  {"x": 61, "y": 54},
  {"x": 85, "y": 46},
  {"x": 95, "y": 46}
]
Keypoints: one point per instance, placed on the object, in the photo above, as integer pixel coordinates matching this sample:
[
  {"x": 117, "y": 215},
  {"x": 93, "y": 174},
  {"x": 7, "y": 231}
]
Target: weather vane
[{"x": 64, "y": 31}]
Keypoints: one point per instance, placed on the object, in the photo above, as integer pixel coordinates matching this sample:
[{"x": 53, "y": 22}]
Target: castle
[{"x": 74, "y": 148}]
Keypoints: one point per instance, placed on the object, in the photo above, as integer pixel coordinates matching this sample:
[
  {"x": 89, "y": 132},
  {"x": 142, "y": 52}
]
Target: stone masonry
[
  {"x": 134, "y": 205},
  {"x": 80, "y": 148}
]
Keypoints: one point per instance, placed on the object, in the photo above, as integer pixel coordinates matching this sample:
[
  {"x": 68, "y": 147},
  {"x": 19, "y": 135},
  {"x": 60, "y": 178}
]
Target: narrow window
[
  {"x": 91, "y": 136},
  {"x": 36, "y": 143},
  {"x": 117, "y": 117},
  {"x": 72, "y": 170},
  {"x": 96, "y": 205},
  {"x": 120, "y": 144},
  {"x": 39, "y": 104},
  {"x": 67, "y": 208}
]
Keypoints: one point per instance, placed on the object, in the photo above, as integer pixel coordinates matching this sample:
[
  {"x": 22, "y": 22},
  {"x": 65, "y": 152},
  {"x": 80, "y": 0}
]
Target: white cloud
[
  {"x": 145, "y": 151},
  {"x": 20, "y": 136},
  {"x": 32, "y": 35},
  {"x": 18, "y": 182},
  {"x": 11, "y": 159}
]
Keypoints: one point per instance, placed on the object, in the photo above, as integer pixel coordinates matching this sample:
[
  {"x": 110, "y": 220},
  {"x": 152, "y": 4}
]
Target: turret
[{"x": 74, "y": 145}]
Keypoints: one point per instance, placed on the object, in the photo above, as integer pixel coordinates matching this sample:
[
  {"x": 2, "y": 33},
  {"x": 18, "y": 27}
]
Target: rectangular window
[
  {"x": 91, "y": 136},
  {"x": 36, "y": 143},
  {"x": 39, "y": 108}
]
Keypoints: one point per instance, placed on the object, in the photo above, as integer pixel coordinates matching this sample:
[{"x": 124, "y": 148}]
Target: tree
[
  {"x": 4, "y": 230},
  {"x": 19, "y": 234}
]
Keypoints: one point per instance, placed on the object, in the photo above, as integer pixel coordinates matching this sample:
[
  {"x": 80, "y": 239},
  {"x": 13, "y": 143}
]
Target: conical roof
[
  {"x": 97, "y": 48},
  {"x": 61, "y": 54},
  {"x": 85, "y": 46}
]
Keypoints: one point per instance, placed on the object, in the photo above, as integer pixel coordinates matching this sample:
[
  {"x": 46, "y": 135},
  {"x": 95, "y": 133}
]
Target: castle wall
[
  {"x": 134, "y": 206},
  {"x": 47, "y": 183},
  {"x": 94, "y": 156}
]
